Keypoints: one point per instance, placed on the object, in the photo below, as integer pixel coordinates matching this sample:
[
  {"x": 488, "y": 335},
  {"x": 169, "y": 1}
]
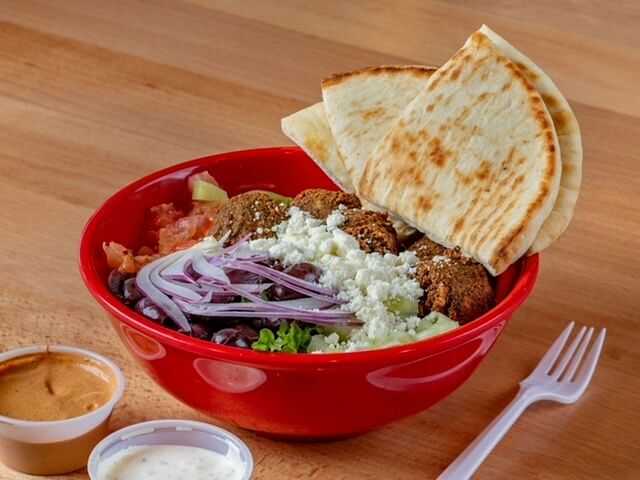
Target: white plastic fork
[{"x": 561, "y": 376}]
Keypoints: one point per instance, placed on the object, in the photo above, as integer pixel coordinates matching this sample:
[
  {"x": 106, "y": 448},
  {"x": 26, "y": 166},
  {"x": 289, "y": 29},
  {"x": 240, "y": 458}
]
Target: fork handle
[{"x": 470, "y": 459}]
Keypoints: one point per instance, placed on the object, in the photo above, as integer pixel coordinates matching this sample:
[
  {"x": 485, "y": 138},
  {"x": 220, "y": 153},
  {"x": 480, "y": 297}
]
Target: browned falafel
[
  {"x": 373, "y": 230},
  {"x": 453, "y": 284},
  {"x": 320, "y": 203},
  {"x": 252, "y": 213}
]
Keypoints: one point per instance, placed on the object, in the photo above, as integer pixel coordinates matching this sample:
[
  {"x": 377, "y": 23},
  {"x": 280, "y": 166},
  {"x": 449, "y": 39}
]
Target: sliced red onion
[
  {"x": 283, "y": 304},
  {"x": 213, "y": 296},
  {"x": 224, "y": 310},
  {"x": 303, "y": 303},
  {"x": 179, "y": 269},
  {"x": 208, "y": 285},
  {"x": 145, "y": 282},
  {"x": 281, "y": 278},
  {"x": 230, "y": 250},
  {"x": 200, "y": 284},
  {"x": 174, "y": 289},
  {"x": 204, "y": 268}
]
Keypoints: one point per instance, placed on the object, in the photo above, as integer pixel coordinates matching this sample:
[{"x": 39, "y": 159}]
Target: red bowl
[{"x": 303, "y": 396}]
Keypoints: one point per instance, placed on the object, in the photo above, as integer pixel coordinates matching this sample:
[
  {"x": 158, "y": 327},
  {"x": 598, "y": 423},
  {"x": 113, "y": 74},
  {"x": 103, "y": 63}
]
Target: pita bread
[
  {"x": 362, "y": 105},
  {"x": 310, "y": 130},
  {"x": 473, "y": 161},
  {"x": 569, "y": 139}
]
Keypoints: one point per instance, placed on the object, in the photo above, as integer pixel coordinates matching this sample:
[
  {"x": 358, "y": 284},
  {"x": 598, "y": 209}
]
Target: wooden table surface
[{"x": 94, "y": 94}]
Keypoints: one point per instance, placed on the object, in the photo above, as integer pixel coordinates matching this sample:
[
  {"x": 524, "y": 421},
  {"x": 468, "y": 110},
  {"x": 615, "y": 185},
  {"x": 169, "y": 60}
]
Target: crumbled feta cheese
[
  {"x": 259, "y": 230},
  {"x": 335, "y": 219},
  {"x": 368, "y": 282},
  {"x": 258, "y": 216},
  {"x": 438, "y": 259}
]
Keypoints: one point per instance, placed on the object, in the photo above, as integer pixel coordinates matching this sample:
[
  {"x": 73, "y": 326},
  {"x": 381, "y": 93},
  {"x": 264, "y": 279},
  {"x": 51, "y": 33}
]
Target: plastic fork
[{"x": 562, "y": 376}]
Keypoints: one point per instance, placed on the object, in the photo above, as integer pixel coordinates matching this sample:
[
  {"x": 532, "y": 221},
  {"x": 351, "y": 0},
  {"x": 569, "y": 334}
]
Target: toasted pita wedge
[
  {"x": 362, "y": 105},
  {"x": 569, "y": 140},
  {"x": 309, "y": 129},
  {"x": 473, "y": 161}
]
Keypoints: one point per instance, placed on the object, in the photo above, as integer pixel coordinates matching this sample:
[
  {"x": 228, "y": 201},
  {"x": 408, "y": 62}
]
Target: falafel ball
[
  {"x": 425, "y": 248},
  {"x": 320, "y": 203},
  {"x": 453, "y": 284},
  {"x": 373, "y": 230},
  {"x": 252, "y": 213}
]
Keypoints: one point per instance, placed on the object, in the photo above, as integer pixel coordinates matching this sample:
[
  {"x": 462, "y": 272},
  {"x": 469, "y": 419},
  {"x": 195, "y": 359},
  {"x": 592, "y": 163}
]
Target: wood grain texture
[{"x": 95, "y": 94}]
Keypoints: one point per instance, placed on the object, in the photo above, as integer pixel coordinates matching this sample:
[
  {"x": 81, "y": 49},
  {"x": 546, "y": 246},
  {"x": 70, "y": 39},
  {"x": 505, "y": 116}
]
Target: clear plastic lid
[{"x": 172, "y": 432}]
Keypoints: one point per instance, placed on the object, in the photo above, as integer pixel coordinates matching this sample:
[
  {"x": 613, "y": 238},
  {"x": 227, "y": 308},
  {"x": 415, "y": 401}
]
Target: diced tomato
[
  {"x": 142, "y": 260},
  {"x": 166, "y": 230},
  {"x": 123, "y": 259},
  {"x": 145, "y": 251},
  {"x": 119, "y": 257},
  {"x": 186, "y": 229},
  {"x": 160, "y": 216},
  {"x": 163, "y": 215},
  {"x": 209, "y": 209}
]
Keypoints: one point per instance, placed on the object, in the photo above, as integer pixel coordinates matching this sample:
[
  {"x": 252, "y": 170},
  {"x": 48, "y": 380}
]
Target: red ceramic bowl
[{"x": 303, "y": 395}]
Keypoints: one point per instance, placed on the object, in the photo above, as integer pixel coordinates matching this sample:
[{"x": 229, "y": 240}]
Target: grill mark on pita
[
  {"x": 506, "y": 86},
  {"x": 499, "y": 181},
  {"x": 551, "y": 148},
  {"x": 531, "y": 76},
  {"x": 424, "y": 203},
  {"x": 551, "y": 102},
  {"x": 504, "y": 252},
  {"x": 517, "y": 73},
  {"x": 435, "y": 79},
  {"x": 416, "y": 70},
  {"x": 410, "y": 138},
  {"x": 480, "y": 208},
  {"x": 458, "y": 225},
  {"x": 500, "y": 209},
  {"x": 466, "y": 111},
  {"x": 464, "y": 179},
  {"x": 455, "y": 73},
  {"x": 437, "y": 154},
  {"x": 372, "y": 113},
  {"x": 567, "y": 168},
  {"x": 484, "y": 170},
  {"x": 562, "y": 121},
  {"x": 318, "y": 146},
  {"x": 395, "y": 144}
]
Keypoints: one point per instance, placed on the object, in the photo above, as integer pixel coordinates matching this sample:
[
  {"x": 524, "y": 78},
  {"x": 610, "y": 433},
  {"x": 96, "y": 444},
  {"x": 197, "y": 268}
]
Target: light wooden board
[{"x": 94, "y": 94}]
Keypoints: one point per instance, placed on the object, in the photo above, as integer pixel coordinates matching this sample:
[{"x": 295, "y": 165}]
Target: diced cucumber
[
  {"x": 277, "y": 197},
  {"x": 435, "y": 323},
  {"x": 402, "y": 306},
  {"x": 208, "y": 192}
]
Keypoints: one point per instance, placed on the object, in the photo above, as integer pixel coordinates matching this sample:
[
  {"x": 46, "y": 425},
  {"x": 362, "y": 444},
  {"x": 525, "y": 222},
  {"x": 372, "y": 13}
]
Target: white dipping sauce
[{"x": 171, "y": 462}]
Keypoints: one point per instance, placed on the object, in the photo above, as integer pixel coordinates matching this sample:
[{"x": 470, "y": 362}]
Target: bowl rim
[{"x": 524, "y": 282}]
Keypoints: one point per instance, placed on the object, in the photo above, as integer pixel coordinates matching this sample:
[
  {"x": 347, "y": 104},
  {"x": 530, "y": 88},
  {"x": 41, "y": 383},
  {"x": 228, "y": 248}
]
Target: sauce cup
[
  {"x": 175, "y": 433},
  {"x": 57, "y": 446}
]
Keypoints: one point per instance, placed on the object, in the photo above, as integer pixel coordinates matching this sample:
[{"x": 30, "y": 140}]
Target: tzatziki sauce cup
[
  {"x": 169, "y": 447},
  {"x": 52, "y": 447}
]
